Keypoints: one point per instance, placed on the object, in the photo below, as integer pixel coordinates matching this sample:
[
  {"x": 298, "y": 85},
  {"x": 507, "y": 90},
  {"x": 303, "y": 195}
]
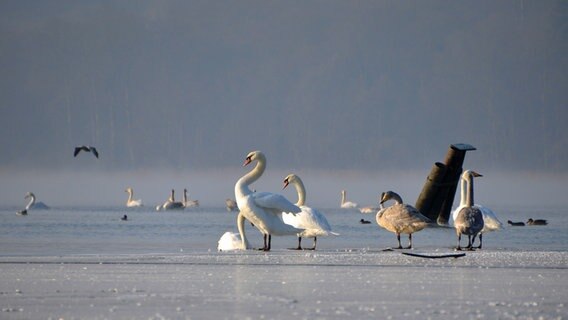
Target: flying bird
[{"x": 86, "y": 149}]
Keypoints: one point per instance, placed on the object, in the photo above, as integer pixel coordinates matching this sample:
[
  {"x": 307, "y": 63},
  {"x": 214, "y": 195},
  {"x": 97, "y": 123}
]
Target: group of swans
[
  {"x": 172, "y": 204},
  {"x": 32, "y": 204},
  {"x": 271, "y": 213}
]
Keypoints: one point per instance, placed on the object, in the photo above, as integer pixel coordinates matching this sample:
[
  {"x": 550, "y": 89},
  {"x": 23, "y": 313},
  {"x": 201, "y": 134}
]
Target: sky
[{"x": 181, "y": 91}]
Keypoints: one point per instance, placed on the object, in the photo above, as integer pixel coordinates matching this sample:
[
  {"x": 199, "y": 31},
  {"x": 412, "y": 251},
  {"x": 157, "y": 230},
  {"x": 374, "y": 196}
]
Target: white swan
[
  {"x": 131, "y": 202},
  {"x": 370, "y": 209},
  {"x": 172, "y": 204},
  {"x": 263, "y": 209},
  {"x": 400, "y": 218},
  {"x": 490, "y": 220},
  {"x": 229, "y": 241},
  {"x": 231, "y": 204},
  {"x": 347, "y": 204},
  {"x": 469, "y": 219},
  {"x": 189, "y": 203},
  {"x": 311, "y": 220}
]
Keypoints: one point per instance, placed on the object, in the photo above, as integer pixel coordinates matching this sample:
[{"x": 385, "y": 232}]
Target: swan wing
[{"x": 276, "y": 201}]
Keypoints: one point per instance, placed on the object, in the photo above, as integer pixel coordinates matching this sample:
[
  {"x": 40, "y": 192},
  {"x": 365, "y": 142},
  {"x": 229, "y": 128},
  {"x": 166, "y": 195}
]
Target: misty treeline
[{"x": 365, "y": 85}]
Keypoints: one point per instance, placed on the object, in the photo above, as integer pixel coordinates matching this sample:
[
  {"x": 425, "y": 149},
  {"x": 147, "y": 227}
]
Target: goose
[
  {"x": 189, "y": 203},
  {"x": 400, "y": 218},
  {"x": 231, "y": 204},
  {"x": 469, "y": 220},
  {"x": 347, "y": 204},
  {"x": 537, "y": 222},
  {"x": 33, "y": 204},
  {"x": 172, "y": 204},
  {"x": 516, "y": 224},
  {"x": 263, "y": 209},
  {"x": 490, "y": 220},
  {"x": 86, "y": 149},
  {"x": 311, "y": 220},
  {"x": 131, "y": 202}
]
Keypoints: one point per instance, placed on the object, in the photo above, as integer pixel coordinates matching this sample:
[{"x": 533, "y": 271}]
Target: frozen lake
[{"x": 85, "y": 263}]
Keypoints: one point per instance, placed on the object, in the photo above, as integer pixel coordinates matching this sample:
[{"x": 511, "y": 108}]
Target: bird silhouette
[{"x": 86, "y": 149}]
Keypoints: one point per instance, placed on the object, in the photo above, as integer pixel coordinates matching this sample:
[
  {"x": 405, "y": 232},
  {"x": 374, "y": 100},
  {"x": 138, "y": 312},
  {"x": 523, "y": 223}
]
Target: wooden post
[{"x": 438, "y": 193}]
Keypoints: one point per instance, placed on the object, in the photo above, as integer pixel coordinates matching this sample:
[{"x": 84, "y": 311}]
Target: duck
[
  {"x": 263, "y": 209},
  {"x": 469, "y": 220},
  {"x": 189, "y": 203},
  {"x": 363, "y": 221},
  {"x": 400, "y": 218},
  {"x": 490, "y": 220},
  {"x": 347, "y": 204},
  {"x": 91, "y": 149},
  {"x": 124, "y": 218},
  {"x": 516, "y": 224},
  {"x": 131, "y": 202},
  {"x": 310, "y": 219},
  {"x": 537, "y": 222}
]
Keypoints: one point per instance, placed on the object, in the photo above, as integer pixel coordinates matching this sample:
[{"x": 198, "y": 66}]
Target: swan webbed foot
[
  {"x": 458, "y": 248},
  {"x": 399, "y": 247},
  {"x": 313, "y": 248}
]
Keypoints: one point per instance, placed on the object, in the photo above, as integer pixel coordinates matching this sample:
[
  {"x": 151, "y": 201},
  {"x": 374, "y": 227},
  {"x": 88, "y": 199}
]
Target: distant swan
[
  {"x": 189, "y": 203},
  {"x": 231, "y": 204},
  {"x": 172, "y": 204},
  {"x": 469, "y": 219},
  {"x": 490, "y": 220},
  {"x": 370, "y": 209},
  {"x": 347, "y": 204},
  {"x": 400, "y": 218},
  {"x": 263, "y": 209},
  {"x": 86, "y": 149},
  {"x": 131, "y": 202},
  {"x": 311, "y": 220}
]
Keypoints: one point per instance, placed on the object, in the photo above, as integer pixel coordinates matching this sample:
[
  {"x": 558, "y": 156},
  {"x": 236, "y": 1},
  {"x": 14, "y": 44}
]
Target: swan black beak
[
  {"x": 475, "y": 174},
  {"x": 286, "y": 183}
]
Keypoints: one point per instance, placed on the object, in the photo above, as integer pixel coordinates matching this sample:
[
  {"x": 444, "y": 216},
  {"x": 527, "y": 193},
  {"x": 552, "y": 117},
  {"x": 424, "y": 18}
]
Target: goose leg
[
  {"x": 459, "y": 240},
  {"x": 409, "y": 241},
  {"x": 480, "y": 240},
  {"x": 398, "y": 238},
  {"x": 469, "y": 242}
]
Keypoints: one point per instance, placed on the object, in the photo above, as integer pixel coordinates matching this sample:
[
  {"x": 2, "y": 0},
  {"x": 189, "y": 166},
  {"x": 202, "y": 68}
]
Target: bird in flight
[{"x": 86, "y": 149}]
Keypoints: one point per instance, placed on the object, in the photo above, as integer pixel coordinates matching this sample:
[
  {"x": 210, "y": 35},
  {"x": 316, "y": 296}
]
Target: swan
[
  {"x": 231, "y": 204},
  {"x": 189, "y": 203},
  {"x": 131, "y": 202},
  {"x": 469, "y": 220},
  {"x": 347, "y": 204},
  {"x": 311, "y": 220},
  {"x": 263, "y": 209},
  {"x": 33, "y": 204},
  {"x": 490, "y": 220},
  {"x": 86, "y": 149},
  {"x": 171, "y": 204},
  {"x": 230, "y": 241},
  {"x": 400, "y": 218},
  {"x": 369, "y": 209}
]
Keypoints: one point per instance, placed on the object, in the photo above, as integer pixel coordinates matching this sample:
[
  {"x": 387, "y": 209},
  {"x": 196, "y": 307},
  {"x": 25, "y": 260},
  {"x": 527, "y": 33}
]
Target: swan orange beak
[{"x": 247, "y": 161}]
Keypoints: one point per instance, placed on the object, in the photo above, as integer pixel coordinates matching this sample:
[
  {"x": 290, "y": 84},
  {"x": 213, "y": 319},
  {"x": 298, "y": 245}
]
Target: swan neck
[
  {"x": 299, "y": 185},
  {"x": 342, "y": 197},
  {"x": 463, "y": 193},
  {"x": 469, "y": 199},
  {"x": 241, "y": 187},
  {"x": 130, "y": 195},
  {"x": 31, "y": 203},
  {"x": 241, "y": 227}
]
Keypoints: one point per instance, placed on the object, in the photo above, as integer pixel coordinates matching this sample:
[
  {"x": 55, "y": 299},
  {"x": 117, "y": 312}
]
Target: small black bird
[
  {"x": 124, "y": 218},
  {"x": 363, "y": 221},
  {"x": 86, "y": 149}
]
